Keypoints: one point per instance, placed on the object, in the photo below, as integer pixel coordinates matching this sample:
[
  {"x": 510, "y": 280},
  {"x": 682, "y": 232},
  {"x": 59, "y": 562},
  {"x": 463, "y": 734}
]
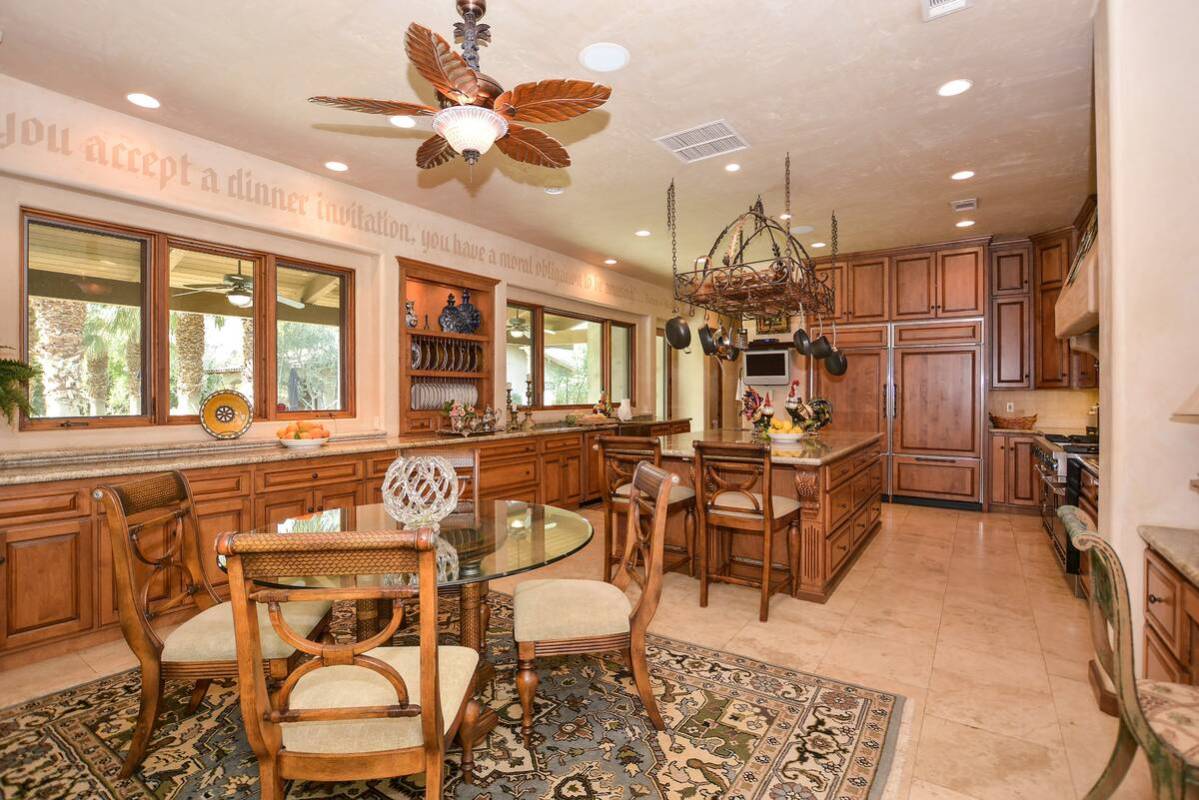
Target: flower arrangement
[
  {"x": 466, "y": 419},
  {"x": 14, "y": 384},
  {"x": 604, "y": 406}
]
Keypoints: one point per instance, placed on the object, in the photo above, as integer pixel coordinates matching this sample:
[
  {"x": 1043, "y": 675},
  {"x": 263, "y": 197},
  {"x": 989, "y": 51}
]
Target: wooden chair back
[
  {"x": 1111, "y": 628},
  {"x": 645, "y": 541},
  {"x": 155, "y": 541},
  {"x": 727, "y": 469},
  {"x": 619, "y": 457},
  {"x": 251, "y": 556},
  {"x": 466, "y": 463}
]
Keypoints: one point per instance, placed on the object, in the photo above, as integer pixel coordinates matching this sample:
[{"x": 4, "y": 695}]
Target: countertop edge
[{"x": 1178, "y": 546}]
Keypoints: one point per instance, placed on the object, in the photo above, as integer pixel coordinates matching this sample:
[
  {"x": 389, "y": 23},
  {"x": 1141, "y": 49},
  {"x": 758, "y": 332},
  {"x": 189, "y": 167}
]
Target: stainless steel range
[{"x": 1051, "y": 457}]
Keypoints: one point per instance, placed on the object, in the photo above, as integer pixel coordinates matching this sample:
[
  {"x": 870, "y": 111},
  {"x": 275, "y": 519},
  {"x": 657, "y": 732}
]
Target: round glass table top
[{"x": 501, "y": 538}]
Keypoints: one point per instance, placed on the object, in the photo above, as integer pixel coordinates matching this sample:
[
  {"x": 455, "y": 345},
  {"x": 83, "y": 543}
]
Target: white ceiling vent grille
[
  {"x": 703, "y": 141},
  {"x": 969, "y": 204},
  {"x": 935, "y": 9}
]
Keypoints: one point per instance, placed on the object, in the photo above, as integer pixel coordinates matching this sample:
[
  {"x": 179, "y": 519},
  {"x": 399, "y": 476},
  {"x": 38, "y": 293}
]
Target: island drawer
[
  {"x": 309, "y": 473},
  {"x": 840, "y": 504},
  {"x": 870, "y": 454},
  {"x": 841, "y": 470},
  {"x": 840, "y": 545}
]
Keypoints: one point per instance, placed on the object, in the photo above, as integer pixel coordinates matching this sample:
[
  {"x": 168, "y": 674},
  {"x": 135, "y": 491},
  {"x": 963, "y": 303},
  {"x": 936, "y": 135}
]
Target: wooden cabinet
[
  {"x": 46, "y": 580},
  {"x": 593, "y": 470},
  {"x": 562, "y": 470},
  {"x": 274, "y": 507},
  {"x": 1050, "y": 262},
  {"x": 1012, "y": 475},
  {"x": 961, "y": 283},
  {"x": 913, "y": 286},
  {"x": 1052, "y": 256},
  {"x": 1011, "y": 268},
  {"x": 932, "y": 478},
  {"x": 1171, "y": 622},
  {"x": 1084, "y": 371},
  {"x": 860, "y": 395},
  {"x": 937, "y": 401},
  {"x": 215, "y": 517},
  {"x": 866, "y": 290},
  {"x": 833, "y": 276},
  {"x": 1011, "y": 343}
]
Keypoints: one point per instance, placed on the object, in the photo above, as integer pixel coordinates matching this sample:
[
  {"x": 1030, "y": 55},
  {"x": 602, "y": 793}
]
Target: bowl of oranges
[
  {"x": 784, "y": 430},
  {"x": 303, "y": 435}
]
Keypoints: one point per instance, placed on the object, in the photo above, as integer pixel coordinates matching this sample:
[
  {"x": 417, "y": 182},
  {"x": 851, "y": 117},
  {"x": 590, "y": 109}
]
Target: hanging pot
[
  {"x": 820, "y": 348},
  {"x": 706, "y": 340},
  {"x": 741, "y": 339},
  {"x": 678, "y": 333},
  {"x": 802, "y": 343},
  {"x": 836, "y": 363}
]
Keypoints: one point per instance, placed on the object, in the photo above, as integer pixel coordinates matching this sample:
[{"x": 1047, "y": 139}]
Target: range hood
[{"x": 1077, "y": 309}]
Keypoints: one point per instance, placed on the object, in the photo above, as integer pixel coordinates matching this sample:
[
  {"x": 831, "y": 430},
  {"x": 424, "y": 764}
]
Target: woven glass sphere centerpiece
[{"x": 420, "y": 490}]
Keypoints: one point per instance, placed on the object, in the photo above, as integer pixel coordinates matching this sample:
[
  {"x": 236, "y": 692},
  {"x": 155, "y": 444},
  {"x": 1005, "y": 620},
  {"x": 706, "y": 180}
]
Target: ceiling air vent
[
  {"x": 969, "y": 204},
  {"x": 935, "y": 9},
  {"x": 703, "y": 141}
]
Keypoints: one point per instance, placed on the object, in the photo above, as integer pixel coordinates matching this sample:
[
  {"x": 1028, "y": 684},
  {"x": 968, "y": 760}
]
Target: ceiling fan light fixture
[
  {"x": 401, "y": 121},
  {"x": 470, "y": 130},
  {"x": 240, "y": 297},
  {"x": 604, "y": 57}
]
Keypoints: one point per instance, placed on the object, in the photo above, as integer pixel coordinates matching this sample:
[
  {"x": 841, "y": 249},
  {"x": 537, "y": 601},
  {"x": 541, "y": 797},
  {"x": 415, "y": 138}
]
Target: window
[
  {"x": 85, "y": 322},
  {"x": 569, "y": 358},
  {"x": 663, "y": 377},
  {"x": 132, "y": 327}
]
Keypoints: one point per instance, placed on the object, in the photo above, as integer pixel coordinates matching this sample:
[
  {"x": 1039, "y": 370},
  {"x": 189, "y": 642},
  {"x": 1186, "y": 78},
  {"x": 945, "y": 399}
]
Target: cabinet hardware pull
[
  {"x": 931, "y": 460},
  {"x": 314, "y": 475},
  {"x": 1154, "y": 599},
  {"x": 310, "y": 509}
]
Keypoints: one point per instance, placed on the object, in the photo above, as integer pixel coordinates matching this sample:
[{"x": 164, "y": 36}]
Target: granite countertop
[
  {"x": 38, "y": 466},
  {"x": 1178, "y": 546},
  {"x": 810, "y": 451}
]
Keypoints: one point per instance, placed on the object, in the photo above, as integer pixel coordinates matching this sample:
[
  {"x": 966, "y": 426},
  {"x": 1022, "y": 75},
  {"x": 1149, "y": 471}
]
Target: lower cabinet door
[
  {"x": 46, "y": 580},
  {"x": 274, "y": 507},
  {"x": 345, "y": 496},
  {"x": 572, "y": 479},
  {"x": 997, "y": 469},
  {"x": 935, "y": 478},
  {"x": 1023, "y": 485},
  {"x": 553, "y": 491},
  {"x": 215, "y": 517},
  {"x": 152, "y": 543},
  {"x": 1160, "y": 664}
]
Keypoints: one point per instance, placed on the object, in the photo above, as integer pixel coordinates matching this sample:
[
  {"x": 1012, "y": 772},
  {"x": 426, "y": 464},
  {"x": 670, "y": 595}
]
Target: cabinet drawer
[
  {"x": 518, "y": 449},
  {"x": 839, "y": 545},
  {"x": 219, "y": 483},
  {"x": 840, "y": 503},
  {"x": 1163, "y": 600},
  {"x": 841, "y": 470},
  {"x": 681, "y": 427},
  {"x": 864, "y": 458},
  {"x": 1160, "y": 663},
  {"x": 309, "y": 473},
  {"x": 514, "y": 473},
  {"x": 420, "y": 424},
  {"x": 955, "y": 333},
  {"x": 861, "y": 488},
  {"x": 861, "y": 524},
  {"x": 935, "y": 478},
  {"x": 45, "y": 501},
  {"x": 376, "y": 466},
  {"x": 873, "y": 336},
  {"x": 559, "y": 444}
]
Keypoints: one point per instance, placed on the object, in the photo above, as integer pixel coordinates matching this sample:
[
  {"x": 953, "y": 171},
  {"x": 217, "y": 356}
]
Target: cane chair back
[
  {"x": 645, "y": 540},
  {"x": 726, "y": 476},
  {"x": 155, "y": 510}
]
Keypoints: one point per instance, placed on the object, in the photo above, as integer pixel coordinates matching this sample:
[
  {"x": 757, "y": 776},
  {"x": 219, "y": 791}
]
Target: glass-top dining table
[{"x": 497, "y": 539}]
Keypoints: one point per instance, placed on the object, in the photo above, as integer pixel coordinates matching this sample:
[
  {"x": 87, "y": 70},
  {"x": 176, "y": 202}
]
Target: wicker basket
[{"x": 1013, "y": 423}]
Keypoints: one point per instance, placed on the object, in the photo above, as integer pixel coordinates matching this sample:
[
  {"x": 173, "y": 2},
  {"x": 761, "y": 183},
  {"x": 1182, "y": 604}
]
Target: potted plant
[{"x": 14, "y": 387}]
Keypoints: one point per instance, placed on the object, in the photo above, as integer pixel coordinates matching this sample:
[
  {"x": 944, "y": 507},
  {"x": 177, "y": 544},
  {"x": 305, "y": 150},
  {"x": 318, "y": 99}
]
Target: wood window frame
[
  {"x": 667, "y": 354},
  {"x": 537, "y": 335},
  {"x": 156, "y": 325}
]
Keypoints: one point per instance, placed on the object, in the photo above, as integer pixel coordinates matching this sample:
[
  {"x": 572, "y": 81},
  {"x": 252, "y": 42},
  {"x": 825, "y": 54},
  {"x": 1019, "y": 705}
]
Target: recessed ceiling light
[
  {"x": 819, "y": 244},
  {"x": 143, "y": 100},
  {"x": 966, "y": 223},
  {"x": 609, "y": 261},
  {"x": 955, "y": 87},
  {"x": 732, "y": 167},
  {"x": 401, "y": 121},
  {"x": 802, "y": 229},
  {"x": 963, "y": 175},
  {"x": 642, "y": 233},
  {"x": 604, "y": 57},
  {"x": 336, "y": 166},
  {"x": 554, "y": 190}
]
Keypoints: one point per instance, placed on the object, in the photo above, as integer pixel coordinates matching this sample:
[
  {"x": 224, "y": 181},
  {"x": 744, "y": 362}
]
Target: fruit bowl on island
[
  {"x": 303, "y": 435},
  {"x": 784, "y": 438}
]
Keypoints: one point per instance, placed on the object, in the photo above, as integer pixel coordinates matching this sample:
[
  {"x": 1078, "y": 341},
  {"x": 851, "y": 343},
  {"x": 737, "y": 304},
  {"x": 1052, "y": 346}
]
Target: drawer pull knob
[
  {"x": 1154, "y": 599},
  {"x": 315, "y": 475}
]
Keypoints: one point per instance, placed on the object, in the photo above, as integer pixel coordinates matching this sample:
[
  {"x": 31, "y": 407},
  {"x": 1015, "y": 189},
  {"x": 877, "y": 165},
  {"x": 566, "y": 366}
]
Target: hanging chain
[
  {"x": 672, "y": 226},
  {"x": 787, "y": 189},
  {"x": 833, "y": 225}
]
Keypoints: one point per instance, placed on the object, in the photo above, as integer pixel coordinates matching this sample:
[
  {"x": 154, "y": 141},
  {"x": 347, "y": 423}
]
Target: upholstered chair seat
[
  {"x": 678, "y": 494},
  {"x": 549, "y": 610},
  {"x": 1172, "y": 710},
  {"x": 208, "y": 636},
  {"x": 349, "y": 686},
  {"x": 780, "y": 505}
]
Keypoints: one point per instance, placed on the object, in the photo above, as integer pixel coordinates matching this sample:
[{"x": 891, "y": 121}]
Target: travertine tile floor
[{"x": 964, "y": 614}]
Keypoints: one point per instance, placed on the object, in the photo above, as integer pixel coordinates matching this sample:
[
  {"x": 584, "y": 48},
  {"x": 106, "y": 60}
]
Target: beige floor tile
[
  {"x": 884, "y": 620},
  {"x": 109, "y": 657},
  {"x": 43, "y": 677},
  {"x": 1014, "y": 669},
  {"x": 993, "y": 633},
  {"x": 922, "y": 790},
  {"x": 1013, "y": 711},
  {"x": 875, "y": 656},
  {"x": 989, "y": 766},
  {"x": 799, "y": 647}
]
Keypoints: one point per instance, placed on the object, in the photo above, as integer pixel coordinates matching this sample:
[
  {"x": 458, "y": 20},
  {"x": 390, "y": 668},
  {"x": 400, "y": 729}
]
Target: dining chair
[
  {"x": 618, "y": 458},
  {"x": 732, "y": 481},
  {"x": 1161, "y": 718},
  {"x": 156, "y": 558},
  {"x": 348, "y": 713},
  {"x": 555, "y": 617}
]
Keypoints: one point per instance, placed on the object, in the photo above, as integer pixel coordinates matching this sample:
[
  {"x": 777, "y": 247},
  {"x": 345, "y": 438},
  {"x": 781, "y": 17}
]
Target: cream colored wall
[
  {"x": 1147, "y": 124},
  {"x": 1056, "y": 409},
  {"x": 56, "y": 153}
]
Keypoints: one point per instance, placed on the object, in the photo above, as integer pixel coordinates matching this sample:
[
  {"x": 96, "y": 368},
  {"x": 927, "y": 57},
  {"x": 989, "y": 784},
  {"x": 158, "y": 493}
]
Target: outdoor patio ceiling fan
[
  {"x": 238, "y": 290},
  {"x": 476, "y": 112}
]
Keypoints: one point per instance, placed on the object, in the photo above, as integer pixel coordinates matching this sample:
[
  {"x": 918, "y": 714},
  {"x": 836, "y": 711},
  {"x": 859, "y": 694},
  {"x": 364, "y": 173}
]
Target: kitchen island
[{"x": 837, "y": 478}]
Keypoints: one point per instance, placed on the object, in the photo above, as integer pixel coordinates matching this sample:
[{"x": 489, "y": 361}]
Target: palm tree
[{"x": 14, "y": 387}]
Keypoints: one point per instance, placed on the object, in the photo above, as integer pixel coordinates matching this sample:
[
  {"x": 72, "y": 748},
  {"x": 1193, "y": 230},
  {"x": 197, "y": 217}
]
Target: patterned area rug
[{"x": 738, "y": 729}]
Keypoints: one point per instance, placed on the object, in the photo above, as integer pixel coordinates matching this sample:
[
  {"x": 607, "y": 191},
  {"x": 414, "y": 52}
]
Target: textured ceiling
[{"x": 848, "y": 86}]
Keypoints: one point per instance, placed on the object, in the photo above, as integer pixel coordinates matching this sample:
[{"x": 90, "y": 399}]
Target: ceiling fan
[
  {"x": 476, "y": 111},
  {"x": 238, "y": 290}
]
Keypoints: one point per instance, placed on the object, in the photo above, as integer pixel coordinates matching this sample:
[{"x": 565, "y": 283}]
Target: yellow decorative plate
[{"x": 225, "y": 414}]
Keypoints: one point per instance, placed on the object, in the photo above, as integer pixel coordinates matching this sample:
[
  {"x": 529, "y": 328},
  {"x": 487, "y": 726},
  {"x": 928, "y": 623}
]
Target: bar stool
[
  {"x": 619, "y": 457},
  {"x": 726, "y": 475}
]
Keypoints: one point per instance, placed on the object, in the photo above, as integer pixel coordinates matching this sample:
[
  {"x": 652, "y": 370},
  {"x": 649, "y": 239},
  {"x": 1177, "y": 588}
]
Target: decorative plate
[{"x": 225, "y": 414}]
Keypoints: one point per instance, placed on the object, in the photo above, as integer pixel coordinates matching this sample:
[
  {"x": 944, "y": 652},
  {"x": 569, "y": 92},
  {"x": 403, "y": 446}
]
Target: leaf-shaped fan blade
[
  {"x": 391, "y": 108},
  {"x": 533, "y": 147},
  {"x": 433, "y": 152},
  {"x": 440, "y": 65},
  {"x": 551, "y": 101}
]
